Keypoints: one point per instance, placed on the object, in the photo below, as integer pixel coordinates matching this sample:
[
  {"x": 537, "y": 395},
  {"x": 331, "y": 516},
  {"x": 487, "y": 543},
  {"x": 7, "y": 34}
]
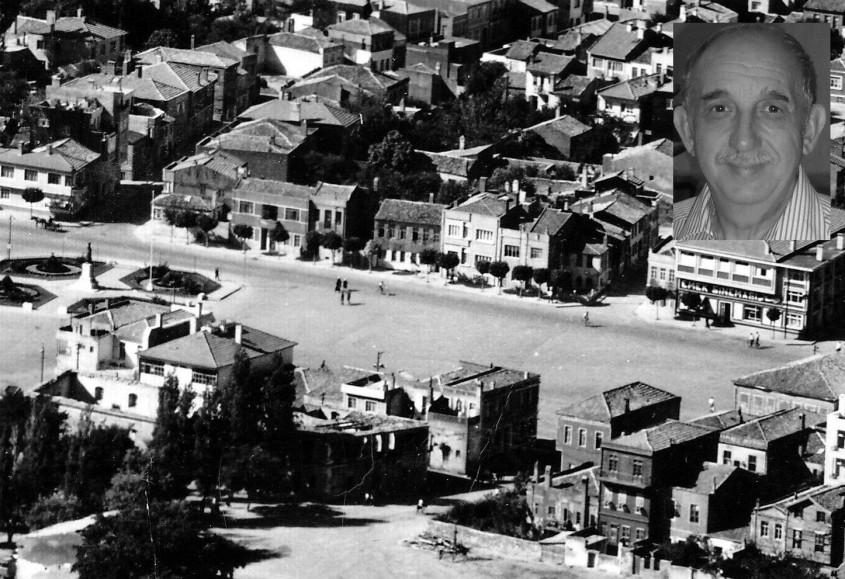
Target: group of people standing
[{"x": 754, "y": 340}]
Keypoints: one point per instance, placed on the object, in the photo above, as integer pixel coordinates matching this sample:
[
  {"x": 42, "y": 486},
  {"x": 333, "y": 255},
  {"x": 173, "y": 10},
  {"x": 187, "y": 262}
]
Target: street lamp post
[
  {"x": 378, "y": 365},
  {"x": 42, "y": 362},
  {"x": 9, "y": 245},
  {"x": 152, "y": 237}
]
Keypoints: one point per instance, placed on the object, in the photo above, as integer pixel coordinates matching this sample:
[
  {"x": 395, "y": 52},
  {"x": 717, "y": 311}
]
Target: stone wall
[{"x": 502, "y": 545}]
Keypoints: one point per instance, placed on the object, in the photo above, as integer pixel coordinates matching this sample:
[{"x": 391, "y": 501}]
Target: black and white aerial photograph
[{"x": 430, "y": 289}]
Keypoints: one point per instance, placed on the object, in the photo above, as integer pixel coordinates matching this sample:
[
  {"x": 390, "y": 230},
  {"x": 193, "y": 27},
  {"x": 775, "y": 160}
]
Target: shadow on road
[{"x": 308, "y": 515}]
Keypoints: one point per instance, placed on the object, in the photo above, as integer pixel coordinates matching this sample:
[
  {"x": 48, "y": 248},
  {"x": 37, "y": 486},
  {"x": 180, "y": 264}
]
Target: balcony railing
[{"x": 625, "y": 478}]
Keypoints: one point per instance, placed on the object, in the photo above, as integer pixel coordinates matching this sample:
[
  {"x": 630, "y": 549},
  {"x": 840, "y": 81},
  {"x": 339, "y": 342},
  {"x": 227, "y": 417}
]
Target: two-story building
[
  {"x": 293, "y": 54},
  {"x": 369, "y": 42},
  {"x": 807, "y": 525},
  {"x": 65, "y": 171},
  {"x": 404, "y": 229},
  {"x": 789, "y": 286},
  {"x": 661, "y": 264},
  {"x": 360, "y": 453},
  {"x": 645, "y": 101},
  {"x": 210, "y": 176},
  {"x": 831, "y": 12},
  {"x": 568, "y": 135},
  {"x": 349, "y": 84},
  {"x": 837, "y": 73},
  {"x": 584, "y": 426},
  {"x": 417, "y": 23},
  {"x": 638, "y": 472},
  {"x": 812, "y": 383},
  {"x": 472, "y": 229},
  {"x": 261, "y": 203},
  {"x": 615, "y": 54},
  {"x": 57, "y": 41},
  {"x": 720, "y": 498},
  {"x": 205, "y": 359},
  {"x": 481, "y": 417},
  {"x": 535, "y": 19},
  {"x": 568, "y": 500}
]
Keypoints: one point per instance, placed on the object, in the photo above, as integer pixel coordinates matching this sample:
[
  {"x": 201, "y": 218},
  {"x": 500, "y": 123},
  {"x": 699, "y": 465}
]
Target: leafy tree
[
  {"x": 372, "y": 250},
  {"x": 317, "y": 166},
  {"x": 171, "y": 447},
  {"x": 279, "y": 235},
  {"x": 32, "y": 195},
  {"x": 313, "y": 241},
  {"x": 691, "y": 300},
  {"x": 774, "y": 315},
  {"x": 483, "y": 266},
  {"x": 13, "y": 90},
  {"x": 482, "y": 77},
  {"x": 656, "y": 294},
  {"x": 241, "y": 402},
  {"x": 449, "y": 261},
  {"x": 522, "y": 273},
  {"x": 162, "y": 37},
  {"x": 331, "y": 241},
  {"x": 211, "y": 433},
  {"x": 352, "y": 247},
  {"x": 181, "y": 218},
  {"x": 38, "y": 470},
  {"x": 207, "y": 223},
  {"x": 750, "y": 563},
  {"x": 499, "y": 269},
  {"x": 451, "y": 191},
  {"x": 166, "y": 540},
  {"x": 130, "y": 487},
  {"x": 394, "y": 153},
  {"x": 51, "y": 509},
  {"x": 556, "y": 280},
  {"x": 243, "y": 232},
  {"x": 14, "y": 409},
  {"x": 541, "y": 276},
  {"x": 428, "y": 257}
]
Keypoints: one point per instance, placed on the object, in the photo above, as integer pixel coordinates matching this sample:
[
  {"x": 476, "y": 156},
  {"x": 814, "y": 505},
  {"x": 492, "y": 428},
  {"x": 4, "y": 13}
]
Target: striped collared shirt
[{"x": 806, "y": 217}]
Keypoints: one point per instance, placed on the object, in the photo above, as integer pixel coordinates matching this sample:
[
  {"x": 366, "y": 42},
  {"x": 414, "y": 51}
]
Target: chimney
[
  {"x": 402, "y": 104},
  {"x": 507, "y": 186},
  {"x": 462, "y": 142},
  {"x": 683, "y": 15},
  {"x": 791, "y": 245},
  {"x": 590, "y": 209},
  {"x": 820, "y": 253},
  {"x": 578, "y": 38},
  {"x": 662, "y": 77},
  {"x": 304, "y": 126},
  {"x": 627, "y": 405},
  {"x": 193, "y": 41},
  {"x": 557, "y": 111},
  {"x": 437, "y": 67},
  {"x": 192, "y": 325},
  {"x": 157, "y": 322},
  {"x": 629, "y": 27},
  {"x": 23, "y": 149},
  {"x": 584, "y": 177},
  {"x": 49, "y": 148},
  {"x": 79, "y": 12},
  {"x": 585, "y": 480},
  {"x": 431, "y": 197},
  {"x": 659, "y": 27},
  {"x": 548, "y": 482},
  {"x": 55, "y": 81},
  {"x": 536, "y": 472},
  {"x": 640, "y": 33},
  {"x": 140, "y": 70},
  {"x": 238, "y": 333},
  {"x": 515, "y": 186},
  {"x": 566, "y": 205},
  {"x": 482, "y": 184},
  {"x": 803, "y": 418},
  {"x": 51, "y": 17},
  {"x": 739, "y": 415},
  {"x": 840, "y": 241}
]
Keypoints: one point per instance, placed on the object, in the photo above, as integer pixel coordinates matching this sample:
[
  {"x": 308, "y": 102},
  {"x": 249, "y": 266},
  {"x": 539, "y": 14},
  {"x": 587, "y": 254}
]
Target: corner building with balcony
[{"x": 787, "y": 286}]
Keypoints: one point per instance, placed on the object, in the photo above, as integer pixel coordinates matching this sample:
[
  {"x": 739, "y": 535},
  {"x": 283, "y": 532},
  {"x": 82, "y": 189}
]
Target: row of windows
[
  {"x": 132, "y": 400},
  {"x": 423, "y": 234},
  {"x": 636, "y": 465},
  {"x": 290, "y": 213},
  {"x": 797, "y": 536},
  {"x": 663, "y": 273},
  {"x": 151, "y": 368},
  {"x": 582, "y": 437},
  {"x": 9, "y": 172},
  {"x": 369, "y": 405}
]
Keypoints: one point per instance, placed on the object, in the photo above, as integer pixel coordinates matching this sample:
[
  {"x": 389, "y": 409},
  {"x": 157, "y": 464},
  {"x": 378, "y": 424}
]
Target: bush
[
  {"x": 56, "y": 508},
  {"x": 506, "y": 514}
]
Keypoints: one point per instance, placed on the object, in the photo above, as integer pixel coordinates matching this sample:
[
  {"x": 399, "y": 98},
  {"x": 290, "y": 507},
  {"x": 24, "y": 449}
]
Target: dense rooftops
[
  {"x": 617, "y": 401},
  {"x": 817, "y": 377},
  {"x": 760, "y": 432},
  {"x": 660, "y": 437}
]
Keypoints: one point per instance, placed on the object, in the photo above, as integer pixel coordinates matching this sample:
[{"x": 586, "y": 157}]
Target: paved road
[{"x": 424, "y": 329}]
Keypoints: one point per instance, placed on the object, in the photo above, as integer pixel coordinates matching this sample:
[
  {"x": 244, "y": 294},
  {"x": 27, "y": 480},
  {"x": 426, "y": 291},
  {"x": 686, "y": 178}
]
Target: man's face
[{"x": 746, "y": 126}]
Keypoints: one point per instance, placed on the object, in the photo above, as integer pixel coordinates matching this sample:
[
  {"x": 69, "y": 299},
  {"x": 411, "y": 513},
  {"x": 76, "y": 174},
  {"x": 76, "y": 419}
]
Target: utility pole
[
  {"x": 9, "y": 246},
  {"x": 42, "y": 362},
  {"x": 152, "y": 236},
  {"x": 378, "y": 365}
]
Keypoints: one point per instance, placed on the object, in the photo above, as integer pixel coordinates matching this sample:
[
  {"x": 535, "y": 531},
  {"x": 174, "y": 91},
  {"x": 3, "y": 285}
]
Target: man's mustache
[{"x": 743, "y": 159}]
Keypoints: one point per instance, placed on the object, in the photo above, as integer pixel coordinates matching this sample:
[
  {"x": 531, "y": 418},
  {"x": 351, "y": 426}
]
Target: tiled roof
[
  {"x": 596, "y": 249},
  {"x": 402, "y": 7},
  {"x": 624, "y": 175},
  {"x": 828, "y": 497},
  {"x": 837, "y": 160},
  {"x": 295, "y": 111},
  {"x": 125, "y": 312},
  {"x": 721, "y": 420},
  {"x": 134, "y": 332},
  {"x": 548, "y": 63},
  {"x": 484, "y": 204},
  {"x": 837, "y": 220},
  {"x": 368, "y": 79},
  {"x": 67, "y": 155},
  {"x": 183, "y": 201},
  {"x": 401, "y": 211},
  {"x": 211, "y": 351},
  {"x": 268, "y": 190},
  {"x": 564, "y": 124},
  {"x": 522, "y": 49},
  {"x": 262, "y": 135},
  {"x": 450, "y": 164},
  {"x": 217, "y": 161},
  {"x": 661, "y": 437},
  {"x": 190, "y": 75},
  {"x": 818, "y": 377},
  {"x": 616, "y": 203},
  {"x": 617, "y": 43},
  {"x": 183, "y": 56},
  {"x": 760, "y": 432},
  {"x": 837, "y": 6},
  {"x": 539, "y": 5},
  {"x": 573, "y": 85},
  {"x": 367, "y": 27},
  {"x": 612, "y": 403},
  {"x": 814, "y": 450},
  {"x": 29, "y": 25},
  {"x": 224, "y": 49},
  {"x": 298, "y": 41},
  {"x": 633, "y": 89},
  {"x": 334, "y": 191},
  {"x": 75, "y": 24},
  {"x": 550, "y": 221}
]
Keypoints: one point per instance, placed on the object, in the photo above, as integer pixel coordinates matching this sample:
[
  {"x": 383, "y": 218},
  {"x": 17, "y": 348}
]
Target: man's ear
[
  {"x": 683, "y": 124},
  {"x": 814, "y": 127}
]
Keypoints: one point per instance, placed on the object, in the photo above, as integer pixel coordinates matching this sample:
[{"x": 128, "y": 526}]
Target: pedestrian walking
[
  {"x": 337, "y": 285},
  {"x": 342, "y": 296},
  {"x": 345, "y": 284},
  {"x": 751, "y": 340},
  {"x": 712, "y": 404},
  {"x": 216, "y": 274},
  {"x": 420, "y": 507},
  {"x": 586, "y": 319},
  {"x": 381, "y": 287},
  {"x": 756, "y": 339},
  {"x": 367, "y": 499},
  {"x": 839, "y": 346}
]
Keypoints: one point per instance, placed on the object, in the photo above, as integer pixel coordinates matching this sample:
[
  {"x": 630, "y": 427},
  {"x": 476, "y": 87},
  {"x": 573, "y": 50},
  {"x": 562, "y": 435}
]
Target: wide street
[{"x": 427, "y": 328}]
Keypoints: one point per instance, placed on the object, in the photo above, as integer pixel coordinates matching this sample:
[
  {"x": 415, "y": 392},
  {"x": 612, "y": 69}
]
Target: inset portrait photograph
[{"x": 752, "y": 112}]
